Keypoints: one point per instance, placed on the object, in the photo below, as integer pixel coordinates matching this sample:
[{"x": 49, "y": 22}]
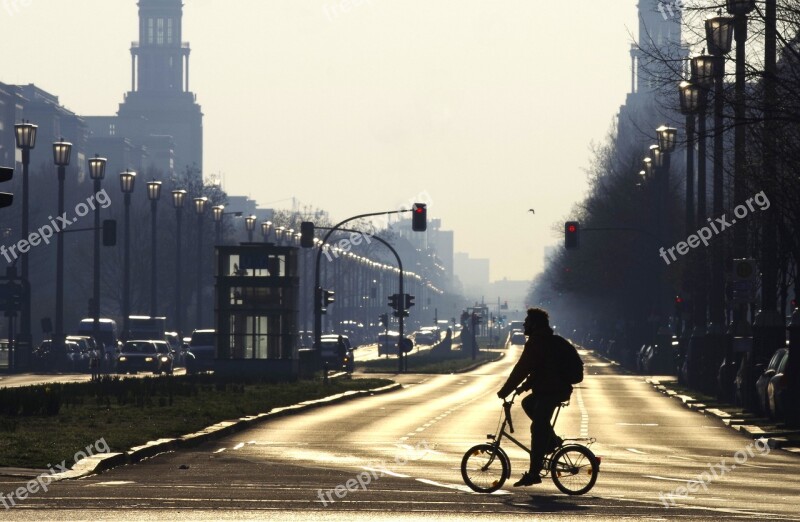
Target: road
[
  {"x": 28, "y": 379},
  {"x": 281, "y": 470}
]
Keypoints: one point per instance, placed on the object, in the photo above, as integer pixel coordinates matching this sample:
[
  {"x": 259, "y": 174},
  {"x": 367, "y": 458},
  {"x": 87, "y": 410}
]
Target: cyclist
[{"x": 538, "y": 366}]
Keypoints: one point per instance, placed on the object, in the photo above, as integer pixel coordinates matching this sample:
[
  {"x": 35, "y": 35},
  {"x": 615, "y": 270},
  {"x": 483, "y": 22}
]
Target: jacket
[{"x": 539, "y": 365}]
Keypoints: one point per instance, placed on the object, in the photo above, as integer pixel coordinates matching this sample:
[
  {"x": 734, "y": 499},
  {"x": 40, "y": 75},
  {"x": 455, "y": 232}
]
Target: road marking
[
  {"x": 665, "y": 478},
  {"x": 220, "y": 450},
  {"x": 584, "y": 415},
  {"x": 239, "y": 446},
  {"x": 634, "y": 450},
  {"x": 459, "y": 487},
  {"x": 112, "y": 483},
  {"x": 635, "y": 424}
]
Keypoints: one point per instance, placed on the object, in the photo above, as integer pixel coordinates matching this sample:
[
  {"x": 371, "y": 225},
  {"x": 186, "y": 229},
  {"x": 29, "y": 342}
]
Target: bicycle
[{"x": 572, "y": 466}]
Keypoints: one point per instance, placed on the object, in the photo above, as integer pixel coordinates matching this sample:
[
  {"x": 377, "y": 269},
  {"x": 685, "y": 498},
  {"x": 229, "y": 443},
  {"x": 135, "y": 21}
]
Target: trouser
[{"x": 540, "y": 410}]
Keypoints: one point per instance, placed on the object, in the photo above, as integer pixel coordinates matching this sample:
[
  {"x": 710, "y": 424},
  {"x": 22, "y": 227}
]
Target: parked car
[
  {"x": 3, "y": 353},
  {"x": 776, "y": 390},
  {"x": 202, "y": 350},
  {"x": 660, "y": 360},
  {"x": 338, "y": 357},
  {"x": 515, "y": 338},
  {"x": 766, "y": 376},
  {"x": 145, "y": 355},
  {"x": 387, "y": 343}
]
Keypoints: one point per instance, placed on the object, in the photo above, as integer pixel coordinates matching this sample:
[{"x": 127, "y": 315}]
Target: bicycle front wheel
[
  {"x": 574, "y": 469},
  {"x": 484, "y": 468}
]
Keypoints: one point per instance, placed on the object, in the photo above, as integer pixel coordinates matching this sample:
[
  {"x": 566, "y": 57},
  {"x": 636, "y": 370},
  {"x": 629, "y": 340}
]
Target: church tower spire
[{"x": 160, "y": 60}]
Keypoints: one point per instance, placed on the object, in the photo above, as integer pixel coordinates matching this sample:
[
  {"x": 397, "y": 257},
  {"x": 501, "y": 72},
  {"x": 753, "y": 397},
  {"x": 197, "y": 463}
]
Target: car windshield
[
  {"x": 518, "y": 339},
  {"x": 137, "y": 347},
  {"x": 162, "y": 347},
  {"x": 328, "y": 346}
]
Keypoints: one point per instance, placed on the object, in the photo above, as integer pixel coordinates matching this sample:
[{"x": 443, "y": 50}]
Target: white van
[{"x": 107, "y": 334}]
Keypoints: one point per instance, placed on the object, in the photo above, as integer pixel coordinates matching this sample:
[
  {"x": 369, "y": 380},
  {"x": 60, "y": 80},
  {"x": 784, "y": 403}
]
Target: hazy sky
[{"x": 490, "y": 107}]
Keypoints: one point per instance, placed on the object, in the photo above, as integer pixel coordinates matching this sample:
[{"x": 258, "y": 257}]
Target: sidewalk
[{"x": 775, "y": 434}]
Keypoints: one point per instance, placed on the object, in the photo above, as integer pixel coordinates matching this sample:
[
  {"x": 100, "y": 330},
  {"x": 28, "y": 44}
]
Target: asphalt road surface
[{"x": 413, "y": 441}]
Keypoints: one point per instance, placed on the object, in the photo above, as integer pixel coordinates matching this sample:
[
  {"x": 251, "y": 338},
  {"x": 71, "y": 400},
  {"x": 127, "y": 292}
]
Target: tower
[{"x": 159, "y": 119}]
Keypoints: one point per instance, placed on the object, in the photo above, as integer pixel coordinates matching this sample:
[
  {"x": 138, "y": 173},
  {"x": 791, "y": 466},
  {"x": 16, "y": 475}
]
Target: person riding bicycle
[{"x": 539, "y": 366}]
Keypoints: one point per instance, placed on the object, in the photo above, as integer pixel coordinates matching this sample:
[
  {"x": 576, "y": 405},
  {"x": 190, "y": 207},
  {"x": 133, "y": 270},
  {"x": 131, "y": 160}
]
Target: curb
[
  {"x": 742, "y": 423},
  {"x": 478, "y": 365},
  {"x": 98, "y": 463}
]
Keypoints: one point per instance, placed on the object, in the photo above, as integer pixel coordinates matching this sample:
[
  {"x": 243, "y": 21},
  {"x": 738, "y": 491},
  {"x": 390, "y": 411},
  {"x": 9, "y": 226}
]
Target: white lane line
[
  {"x": 634, "y": 424},
  {"x": 665, "y": 478},
  {"x": 239, "y": 446},
  {"x": 459, "y": 487},
  {"x": 584, "y": 415},
  {"x": 220, "y": 450},
  {"x": 634, "y": 450},
  {"x": 112, "y": 483},
  {"x": 386, "y": 472}
]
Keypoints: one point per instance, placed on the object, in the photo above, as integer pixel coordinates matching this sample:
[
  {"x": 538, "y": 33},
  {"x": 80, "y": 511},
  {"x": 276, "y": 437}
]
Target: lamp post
[
  {"x": 25, "y": 134},
  {"x": 178, "y": 197},
  {"x": 719, "y": 36},
  {"x": 61, "y": 155},
  {"x": 200, "y": 205},
  {"x": 218, "y": 212},
  {"x": 127, "y": 181},
  {"x": 153, "y": 194},
  {"x": 250, "y": 225},
  {"x": 97, "y": 171},
  {"x": 279, "y": 235}
]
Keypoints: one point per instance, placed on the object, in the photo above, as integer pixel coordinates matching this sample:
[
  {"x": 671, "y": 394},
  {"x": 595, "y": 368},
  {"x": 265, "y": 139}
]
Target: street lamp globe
[
  {"x": 250, "y": 223},
  {"x": 200, "y": 205},
  {"x": 153, "y": 190},
  {"x": 97, "y": 167},
  {"x": 667, "y": 139},
  {"x": 692, "y": 98},
  {"x": 648, "y": 166},
  {"x": 178, "y": 197},
  {"x": 61, "y": 152},
  {"x": 266, "y": 226},
  {"x": 703, "y": 70},
  {"x": 217, "y": 211},
  {"x": 719, "y": 35},
  {"x": 127, "y": 180},
  {"x": 740, "y": 7},
  {"x": 657, "y": 156},
  {"x": 25, "y": 134}
]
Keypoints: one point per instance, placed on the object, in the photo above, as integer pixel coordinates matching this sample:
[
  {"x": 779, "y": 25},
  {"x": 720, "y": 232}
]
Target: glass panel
[
  {"x": 149, "y": 30},
  {"x": 169, "y": 30},
  {"x": 160, "y": 31}
]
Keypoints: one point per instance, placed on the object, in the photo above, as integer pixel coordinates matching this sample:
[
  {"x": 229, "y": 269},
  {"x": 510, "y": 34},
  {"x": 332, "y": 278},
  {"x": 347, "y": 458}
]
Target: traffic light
[
  {"x": 6, "y": 199},
  {"x": 409, "y": 301},
  {"x": 109, "y": 232},
  {"x": 419, "y": 217},
  {"x": 394, "y": 302},
  {"x": 571, "y": 229},
  {"x": 324, "y": 298},
  {"x": 307, "y": 234},
  {"x": 678, "y": 306}
]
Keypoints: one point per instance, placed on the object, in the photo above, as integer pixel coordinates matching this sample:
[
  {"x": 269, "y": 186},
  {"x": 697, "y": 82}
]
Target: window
[
  {"x": 149, "y": 30},
  {"x": 169, "y": 30},
  {"x": 112, "y": 129},
  {"x": 160, "y": 31}
]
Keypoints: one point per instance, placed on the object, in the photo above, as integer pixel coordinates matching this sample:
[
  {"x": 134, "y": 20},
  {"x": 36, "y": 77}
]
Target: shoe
[
  {"x": 528, "y": 479},
  {"x": 556, "y": 442}
]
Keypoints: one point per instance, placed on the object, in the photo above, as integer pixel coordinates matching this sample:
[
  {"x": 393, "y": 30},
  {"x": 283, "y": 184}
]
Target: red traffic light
[{"x": 572, "y": 228}]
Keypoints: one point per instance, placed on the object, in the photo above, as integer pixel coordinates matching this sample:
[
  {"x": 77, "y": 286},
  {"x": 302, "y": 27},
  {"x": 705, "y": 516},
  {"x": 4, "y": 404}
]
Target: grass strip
[{"x": 429, "y": 362}]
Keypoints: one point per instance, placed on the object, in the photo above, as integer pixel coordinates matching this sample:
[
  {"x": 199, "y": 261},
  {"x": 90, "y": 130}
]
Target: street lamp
[
  {"x": 97, "y": 171},
  {"x": 200, "y": 205},
  {"x": 266, "y": 227},
  {"x": 61, "y": 155},
  {"x": 218, "y": 211},
  {"x": 656, "y": 156},
  {"x": 250, "y": 225},
  {"x": 667, "y": 139},
  {"x": 127, "y": 181},
  {"x": 279, "y": 235},
  {"x": 178, "y": 197},
  {"x": 25, "y": 134},
  {"x": 153, "y": 194}
]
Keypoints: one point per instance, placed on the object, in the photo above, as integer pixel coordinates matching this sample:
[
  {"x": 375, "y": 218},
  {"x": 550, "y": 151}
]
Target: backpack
[{"x": 569, "y": 362}]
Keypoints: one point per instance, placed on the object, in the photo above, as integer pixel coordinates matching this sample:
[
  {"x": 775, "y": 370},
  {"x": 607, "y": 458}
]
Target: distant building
[
  {"x": 159, "y": 125},
  {"x": 659, "y": 36},
  {"x": 473, "y": 274}
]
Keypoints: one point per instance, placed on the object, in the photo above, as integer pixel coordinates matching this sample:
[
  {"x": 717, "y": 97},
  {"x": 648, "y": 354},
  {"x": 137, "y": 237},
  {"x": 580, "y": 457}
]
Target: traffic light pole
[{"x": 318, "y": 309}]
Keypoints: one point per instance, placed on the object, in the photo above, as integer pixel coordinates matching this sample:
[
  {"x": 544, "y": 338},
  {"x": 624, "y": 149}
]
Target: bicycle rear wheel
[
  {"x": 574, "y": 469},
  {"x": 484, "y": 468}
]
